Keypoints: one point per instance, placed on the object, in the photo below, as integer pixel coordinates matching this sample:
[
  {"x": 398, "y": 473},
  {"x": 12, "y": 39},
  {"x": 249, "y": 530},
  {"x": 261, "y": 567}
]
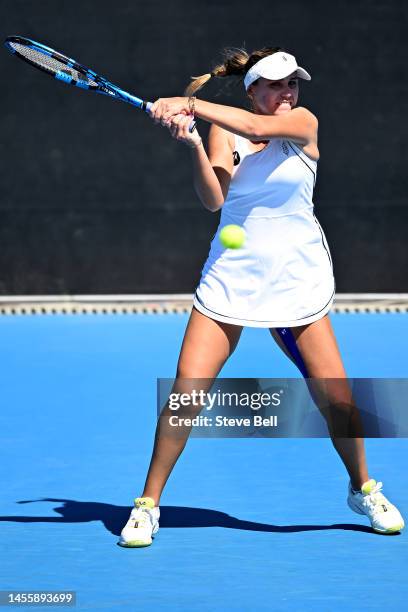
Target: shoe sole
[
  {"x": 395, "y": 529},
  {"x": 135, "y": 544},
  {"x": 139, "y": 543}
]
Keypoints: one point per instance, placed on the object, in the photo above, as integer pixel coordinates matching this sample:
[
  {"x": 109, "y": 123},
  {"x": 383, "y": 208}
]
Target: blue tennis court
[{"x": 247, "y": 524}]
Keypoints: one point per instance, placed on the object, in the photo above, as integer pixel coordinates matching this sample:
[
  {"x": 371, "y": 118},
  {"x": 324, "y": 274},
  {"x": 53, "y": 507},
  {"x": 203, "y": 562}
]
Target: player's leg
[
  {"x": 206, "y": 346},
  {"x": 321, "y": 356},
  {"x": 316, "y": 353}
]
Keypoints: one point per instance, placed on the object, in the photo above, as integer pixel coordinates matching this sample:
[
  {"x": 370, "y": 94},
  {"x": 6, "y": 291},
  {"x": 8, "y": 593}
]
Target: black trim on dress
[
  {"x": 257, "y": 320},
  {"x": 304, "y": 161}
]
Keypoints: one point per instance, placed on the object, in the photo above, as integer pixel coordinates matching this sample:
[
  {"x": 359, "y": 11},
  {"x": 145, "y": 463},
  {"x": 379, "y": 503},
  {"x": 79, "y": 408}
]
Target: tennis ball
[{"x": 232, "y": 236}]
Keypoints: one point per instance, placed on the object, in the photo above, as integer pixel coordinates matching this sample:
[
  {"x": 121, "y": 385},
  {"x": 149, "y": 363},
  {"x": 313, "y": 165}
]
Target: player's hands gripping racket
[{"x": 71, "y": 72}]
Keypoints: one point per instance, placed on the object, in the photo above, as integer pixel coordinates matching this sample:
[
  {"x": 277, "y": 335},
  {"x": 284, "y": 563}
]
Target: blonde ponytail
[{"x": 236, "y": 62}]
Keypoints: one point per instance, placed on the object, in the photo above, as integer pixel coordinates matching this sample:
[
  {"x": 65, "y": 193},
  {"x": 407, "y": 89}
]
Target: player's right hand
[{"x": 179, "y": 129}]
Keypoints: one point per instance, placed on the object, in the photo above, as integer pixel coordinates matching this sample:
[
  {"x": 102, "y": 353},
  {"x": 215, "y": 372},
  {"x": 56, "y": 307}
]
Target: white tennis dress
[{"x": 283, "y": 274}]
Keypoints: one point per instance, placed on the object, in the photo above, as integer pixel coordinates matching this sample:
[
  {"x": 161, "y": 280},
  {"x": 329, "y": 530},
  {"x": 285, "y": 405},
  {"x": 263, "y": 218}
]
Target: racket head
[
  {"x": 69, "y": 71},
  {"x": 52, "y": 62}
]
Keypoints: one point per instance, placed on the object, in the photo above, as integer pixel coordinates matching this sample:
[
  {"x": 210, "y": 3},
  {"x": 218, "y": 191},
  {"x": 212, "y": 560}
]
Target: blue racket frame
[{"x": 103, "y": 86}]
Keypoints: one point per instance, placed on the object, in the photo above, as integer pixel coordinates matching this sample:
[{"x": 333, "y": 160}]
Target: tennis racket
[{"x": 69, "y": 71}]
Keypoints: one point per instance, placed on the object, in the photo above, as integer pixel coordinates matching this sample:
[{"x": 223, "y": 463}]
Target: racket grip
[{"x": 148, "y": 105}]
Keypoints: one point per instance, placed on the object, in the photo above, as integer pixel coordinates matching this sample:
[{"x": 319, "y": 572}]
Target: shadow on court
[{"x": 114, "y": 517}]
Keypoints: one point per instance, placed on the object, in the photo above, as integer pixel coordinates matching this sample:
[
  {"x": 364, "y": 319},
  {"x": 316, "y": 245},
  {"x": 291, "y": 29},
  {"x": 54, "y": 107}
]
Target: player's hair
[{"x": 236, "y": 62}]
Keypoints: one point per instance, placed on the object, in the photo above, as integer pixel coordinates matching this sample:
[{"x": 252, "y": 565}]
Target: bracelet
[{"x": 191, "y": 105}]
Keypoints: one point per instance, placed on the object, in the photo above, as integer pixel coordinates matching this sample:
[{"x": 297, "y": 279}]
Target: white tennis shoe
[
  {"x": 142, "y": 525},
  {"x": 384, "y": 517}
]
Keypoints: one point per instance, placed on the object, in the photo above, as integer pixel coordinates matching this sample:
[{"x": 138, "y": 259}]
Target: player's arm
[
  {"x": 299, "y": 125},
  {"x": 220, "y": 155},
  {"x": 212, "y": 172}
]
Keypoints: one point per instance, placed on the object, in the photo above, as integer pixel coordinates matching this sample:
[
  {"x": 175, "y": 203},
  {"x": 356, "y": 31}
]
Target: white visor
[{"x": 277, "y": 66}]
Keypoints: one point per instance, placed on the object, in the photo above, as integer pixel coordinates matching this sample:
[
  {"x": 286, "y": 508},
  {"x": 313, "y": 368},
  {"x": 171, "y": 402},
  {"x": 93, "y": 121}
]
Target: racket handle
[{"x": 148, "y": 105}]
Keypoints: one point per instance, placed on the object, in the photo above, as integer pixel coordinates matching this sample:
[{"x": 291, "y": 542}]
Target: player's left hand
[{"x": 165, "y": 109}]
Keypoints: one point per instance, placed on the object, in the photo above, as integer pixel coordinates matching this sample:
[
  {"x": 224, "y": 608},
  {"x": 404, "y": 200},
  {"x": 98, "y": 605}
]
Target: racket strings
[{"x": 51, "y": 64}]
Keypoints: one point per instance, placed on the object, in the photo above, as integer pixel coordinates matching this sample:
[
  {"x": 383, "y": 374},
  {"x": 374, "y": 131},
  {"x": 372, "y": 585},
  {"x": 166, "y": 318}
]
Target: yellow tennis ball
[{"x": 232, "y": 236}]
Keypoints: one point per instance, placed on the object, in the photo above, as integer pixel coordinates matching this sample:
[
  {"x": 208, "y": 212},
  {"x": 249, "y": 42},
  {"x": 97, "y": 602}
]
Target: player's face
[{"x": 274, "y": 97}]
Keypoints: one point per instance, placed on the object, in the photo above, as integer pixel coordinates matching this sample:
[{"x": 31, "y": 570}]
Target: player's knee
[{"x": 343, "y": 419}]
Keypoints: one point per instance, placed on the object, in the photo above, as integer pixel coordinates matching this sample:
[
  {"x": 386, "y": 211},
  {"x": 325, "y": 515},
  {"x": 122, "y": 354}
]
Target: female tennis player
[{"x": 260, "y": 170}]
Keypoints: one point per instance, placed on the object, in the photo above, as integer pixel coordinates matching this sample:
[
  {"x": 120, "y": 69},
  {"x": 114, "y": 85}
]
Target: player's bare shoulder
[
  {"x": 307, "y": 116},
  {"x": 309, "y": 148}
]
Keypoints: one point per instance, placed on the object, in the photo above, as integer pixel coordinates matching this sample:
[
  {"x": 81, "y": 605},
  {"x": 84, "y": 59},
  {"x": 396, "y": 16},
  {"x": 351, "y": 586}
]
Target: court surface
[{"x": 247, "y": 524}]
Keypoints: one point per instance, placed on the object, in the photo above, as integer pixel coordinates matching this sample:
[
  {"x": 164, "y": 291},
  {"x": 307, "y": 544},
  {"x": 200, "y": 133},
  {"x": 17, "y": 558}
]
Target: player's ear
[{"x": 250, "y": 94}]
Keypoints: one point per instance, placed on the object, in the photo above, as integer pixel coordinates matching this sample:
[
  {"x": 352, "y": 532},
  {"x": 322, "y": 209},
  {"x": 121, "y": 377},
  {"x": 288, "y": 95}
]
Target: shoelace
[
  {"x": 141, "y": 516},
  {"x": 375, "y": 500}
]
